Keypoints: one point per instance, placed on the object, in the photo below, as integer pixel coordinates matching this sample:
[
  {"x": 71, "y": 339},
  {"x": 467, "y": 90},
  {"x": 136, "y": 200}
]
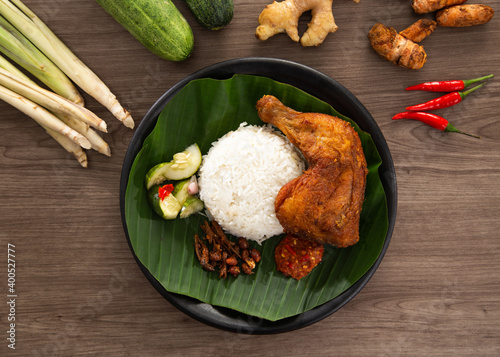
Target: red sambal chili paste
[{"x": 296, "y": 257}]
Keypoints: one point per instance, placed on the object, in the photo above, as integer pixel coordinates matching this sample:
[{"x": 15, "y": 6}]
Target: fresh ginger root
[{"x": 283, "y": 16}]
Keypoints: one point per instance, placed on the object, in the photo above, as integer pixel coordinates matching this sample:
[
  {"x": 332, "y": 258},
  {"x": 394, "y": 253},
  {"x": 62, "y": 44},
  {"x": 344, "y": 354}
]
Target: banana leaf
[{"x": 203, "y": 111}]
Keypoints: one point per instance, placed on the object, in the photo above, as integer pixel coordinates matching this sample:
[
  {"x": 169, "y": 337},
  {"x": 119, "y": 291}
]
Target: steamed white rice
[{"x": 241, "y": 175}]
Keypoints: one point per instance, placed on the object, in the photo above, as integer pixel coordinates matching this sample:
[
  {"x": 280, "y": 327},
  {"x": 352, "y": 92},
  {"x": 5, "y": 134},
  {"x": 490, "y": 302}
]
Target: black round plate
[{"x": 318, "y": 85}]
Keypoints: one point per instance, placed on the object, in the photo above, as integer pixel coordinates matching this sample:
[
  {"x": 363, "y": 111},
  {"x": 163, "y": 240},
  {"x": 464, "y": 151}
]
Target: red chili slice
[{"x": 165, "y": 190}]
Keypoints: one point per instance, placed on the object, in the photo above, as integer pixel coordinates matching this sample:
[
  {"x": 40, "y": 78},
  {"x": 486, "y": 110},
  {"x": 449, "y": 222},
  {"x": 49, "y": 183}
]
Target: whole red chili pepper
[
  {"x": 447, "y": 86},
  {"x": 444, "y": 101},
  {"x": 433, "y": 120}
]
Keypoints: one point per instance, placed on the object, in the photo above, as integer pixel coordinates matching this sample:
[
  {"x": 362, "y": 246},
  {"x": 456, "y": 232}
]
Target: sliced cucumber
[
  {"x": 181, "y": 191},
  {"x": 191, "y": 206},
  {"x": 155, "y": 175},
  {"x": 183, "y": 166},
  {"x": 168, "y": 207},
  {"x": 186, "y": 163}
]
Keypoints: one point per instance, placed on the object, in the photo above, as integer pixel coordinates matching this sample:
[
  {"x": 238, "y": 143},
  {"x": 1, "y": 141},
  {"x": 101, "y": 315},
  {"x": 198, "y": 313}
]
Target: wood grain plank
[{"x": 80, "y": 292}]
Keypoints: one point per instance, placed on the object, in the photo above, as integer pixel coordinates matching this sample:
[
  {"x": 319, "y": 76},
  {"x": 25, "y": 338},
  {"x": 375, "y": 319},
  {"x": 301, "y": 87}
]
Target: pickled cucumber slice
[
  {"x": 181, "y": 191},
  {"x": 183, "y": 166},
  {"x": 191, "y": 206},
  {"x": 168, "y": 207}
]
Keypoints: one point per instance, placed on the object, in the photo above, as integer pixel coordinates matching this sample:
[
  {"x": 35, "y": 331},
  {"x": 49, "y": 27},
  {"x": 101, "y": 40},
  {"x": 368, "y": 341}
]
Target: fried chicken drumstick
[{"x": 324, "y": 203}]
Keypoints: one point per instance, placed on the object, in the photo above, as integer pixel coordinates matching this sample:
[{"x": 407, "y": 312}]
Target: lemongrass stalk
[
  {"x": 94, "y": 138},
  {"x": 65, "y": 142},
  {"x": 96, "y": 141},
  {"x": 5, "y": 64},
  {"x": 35, "y": 29},
  {"x": 69, "y": 146},
  {"x": 19, "y": 49},
  {"x": 50, "y": 100},
  {"x": 42, "y": 116}
]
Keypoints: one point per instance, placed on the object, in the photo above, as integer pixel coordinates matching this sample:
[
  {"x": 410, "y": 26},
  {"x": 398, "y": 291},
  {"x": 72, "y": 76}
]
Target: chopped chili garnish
[
  {"x": 296, "y": 257},
  {"x": 165, "y": 190},
  {"x": 287, "y": 246}
]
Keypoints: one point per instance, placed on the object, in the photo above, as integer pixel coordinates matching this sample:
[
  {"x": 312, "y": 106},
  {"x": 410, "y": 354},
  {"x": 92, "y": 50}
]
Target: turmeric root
[
  {"x": 464, "y": 15},
  {"x": 425, "y": 6},
  {"x": 419, "y": 30},
  {"x": 283, "y": 16},
  {"x": 397, "y": 49}
]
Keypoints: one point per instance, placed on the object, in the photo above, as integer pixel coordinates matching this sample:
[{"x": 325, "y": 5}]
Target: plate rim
[{"x": 284, "y": 71}]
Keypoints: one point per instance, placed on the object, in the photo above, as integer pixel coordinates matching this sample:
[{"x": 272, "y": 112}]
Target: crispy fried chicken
[{"x": 324, "y": 203}]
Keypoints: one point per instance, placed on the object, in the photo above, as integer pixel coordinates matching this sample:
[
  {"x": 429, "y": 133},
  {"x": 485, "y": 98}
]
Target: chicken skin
[{"x": 324, "y": 203}]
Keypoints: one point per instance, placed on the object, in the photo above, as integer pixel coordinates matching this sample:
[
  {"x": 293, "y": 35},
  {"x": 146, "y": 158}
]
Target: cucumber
[
  {"x": 157, "y": 24},
  {"x": 179, "y": 202},
  {"x": 168, "y": 207},
  {"x": 212, "y": 14},
  {"x": 184, "y": 165},
  {"x": 181, "y": 191},
  {"x": 191, "y": 206},
  {"x": 190, "y": 203}
]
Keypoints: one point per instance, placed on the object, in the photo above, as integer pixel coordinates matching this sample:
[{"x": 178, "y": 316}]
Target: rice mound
[{"x": 241, "y": 175}]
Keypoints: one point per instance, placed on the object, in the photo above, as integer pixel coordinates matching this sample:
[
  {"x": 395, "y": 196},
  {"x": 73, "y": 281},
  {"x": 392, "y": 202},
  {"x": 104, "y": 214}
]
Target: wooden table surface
[{"x": 437, "y": 291}]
